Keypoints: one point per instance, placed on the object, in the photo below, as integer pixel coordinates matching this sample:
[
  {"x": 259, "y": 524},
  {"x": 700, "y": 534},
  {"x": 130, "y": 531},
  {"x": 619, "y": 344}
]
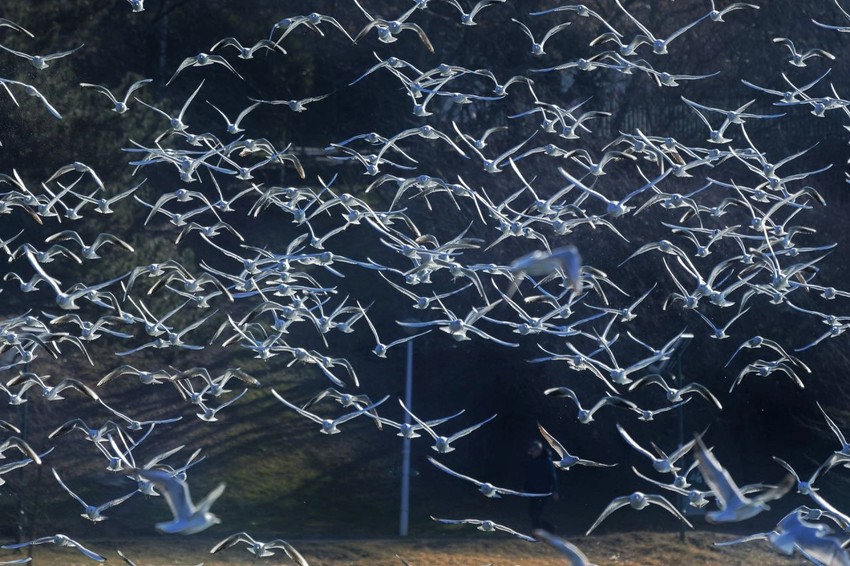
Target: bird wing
[
  {"x": 175, "y": 491},
  {"x": 468, "y": 430},
  {"x": 65, "y": 487},
  {"x": 634, "y": 444},
  {"x": 232, "y": 540},
  {"x": 207, "y": 502},
  {"x": 299, "y": 410},
  {"x": 452, "y": 472},
  {"x": 134, "y": 87},
  {"x": 717, "y": 478},
  {"x": 90, "y": 554},
  {"x": 661, "y": 501},
  {"x": 615, "y": 504},
  {"x": 552, "y": 441}
]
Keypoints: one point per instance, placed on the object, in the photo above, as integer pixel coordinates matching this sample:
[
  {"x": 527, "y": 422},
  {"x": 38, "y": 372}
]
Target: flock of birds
[{"x": 725, "y": 198}]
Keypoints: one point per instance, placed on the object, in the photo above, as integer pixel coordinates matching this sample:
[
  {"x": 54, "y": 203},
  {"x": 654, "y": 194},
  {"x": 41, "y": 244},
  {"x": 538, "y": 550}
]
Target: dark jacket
[{"x": 540, "y": 474}]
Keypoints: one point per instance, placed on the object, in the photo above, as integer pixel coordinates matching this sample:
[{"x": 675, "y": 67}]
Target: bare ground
[{"x": 624, "y": 549}]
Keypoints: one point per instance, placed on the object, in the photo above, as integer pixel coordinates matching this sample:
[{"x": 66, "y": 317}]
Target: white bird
[
  {"x": 89, "y": 251},
  {"x": 585, "y": 416},
  {"x": 565, "y": 260},
  {"x": 176, "y": 122},
  {"x": 188, "y": 517},
  {"x": 798, "y": 58},
  {"x": 58, "y": 540},
  {"x": 717, "y": 15},
  {"x": 468, "y": 19},
  {"x": 442, "y": 444},
  {"x": 804, "y": 487},
  {"x": 388, "y": 29},
  {"x": 408, "y": 430},
  {"x": 537, "y": 47},
  {"x": 248, "y": 52},
  {"x": 259, "y": 549},
  {"x": 567, "y": 460},
  {"x": 299, "y": 105},
  {"x": 674, "y": 395},
  {"x": 93, "y": 513},
  {"x": 486, "y": 488},
  {"x": 233, "y": 127},
  {"x": 638, "y": 500},
  {"x": 202, "y": 60},
  {"x": 40, "y": 61},
  {"x": 485, "y": 525},
  {"x": 31, "y": 91},
  {"x": 120, "y": 106},
  {"x": 665, "y": 464},
  {"x": 380, "y": 348},
  {"x": 793, "y": 533},
  {"x": 734, "y": 505},
  {"x": 659, "y": 45},
  {"x": 329, "y": 426}
]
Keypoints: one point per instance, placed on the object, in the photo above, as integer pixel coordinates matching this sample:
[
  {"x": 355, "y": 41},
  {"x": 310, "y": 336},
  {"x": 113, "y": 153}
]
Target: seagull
[
  {"x": 120, "y": 106},
  {"x": 294, "y": 105},
  {"x": 537, "y": 48},
  {"x": 329, "y": 426},
  {"x": 387, "y": 30},
  {"x": 346, "y": 400},
  {"x": 673, "y": 394},
  {"x": 567, "y": 460},
  {"x": 468, "y": 19},
  {"x": 804, "y": 487},
  {"x": 176, "y": 122},
  {"x": 442, "y": 444},
  {"x": 188, "y": 517},
  {"x": 793, "y": 533},
  {"x": 665, "y": 464},
  {"x": 798, "y": 58},
  {"x": 585, "y": 416},
  {"x": 843, "y": 454},
  {"x": 233, "y": 127},
  {"x": 40, "y": 61},
  {"x": 93, "y": 513},
  {"x": 89, "y": 251},
  {"x": 485, "y": 525},
  {"x": 248, "y": 52},
  {"x": 717, "y": 15},
  {"x": 734, "y": 505},
  {"x": 638, "y": 500},
  {"x": 659, "y": 46},
  {"x": 259, "y": 549},
  {"x": 380, "y": 348},
  {"x": 408, "y": 430},
  {"x": 487, "y": 489},
  {"x": 566, "y": 260},
  {"x": 31, "y": 91},
  {"x": 202, "y": 60},
  {"x": 58, "y": 540}
]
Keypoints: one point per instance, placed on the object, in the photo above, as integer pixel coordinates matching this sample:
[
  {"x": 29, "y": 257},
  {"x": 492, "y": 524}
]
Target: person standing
[{"x": 540, "y": 477}]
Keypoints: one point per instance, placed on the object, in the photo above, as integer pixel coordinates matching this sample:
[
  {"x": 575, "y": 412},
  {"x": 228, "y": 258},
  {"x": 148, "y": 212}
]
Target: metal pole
[
  {"x": 21, "y": 513},
  {"x": 405, "y": 446}
]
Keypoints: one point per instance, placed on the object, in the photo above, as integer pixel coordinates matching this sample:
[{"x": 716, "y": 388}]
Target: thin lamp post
[{"x": 404, "y": 515}]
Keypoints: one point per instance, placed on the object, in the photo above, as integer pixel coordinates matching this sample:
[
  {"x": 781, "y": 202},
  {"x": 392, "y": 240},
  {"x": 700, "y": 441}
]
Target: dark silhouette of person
[{"x": 540, "y": 477}]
